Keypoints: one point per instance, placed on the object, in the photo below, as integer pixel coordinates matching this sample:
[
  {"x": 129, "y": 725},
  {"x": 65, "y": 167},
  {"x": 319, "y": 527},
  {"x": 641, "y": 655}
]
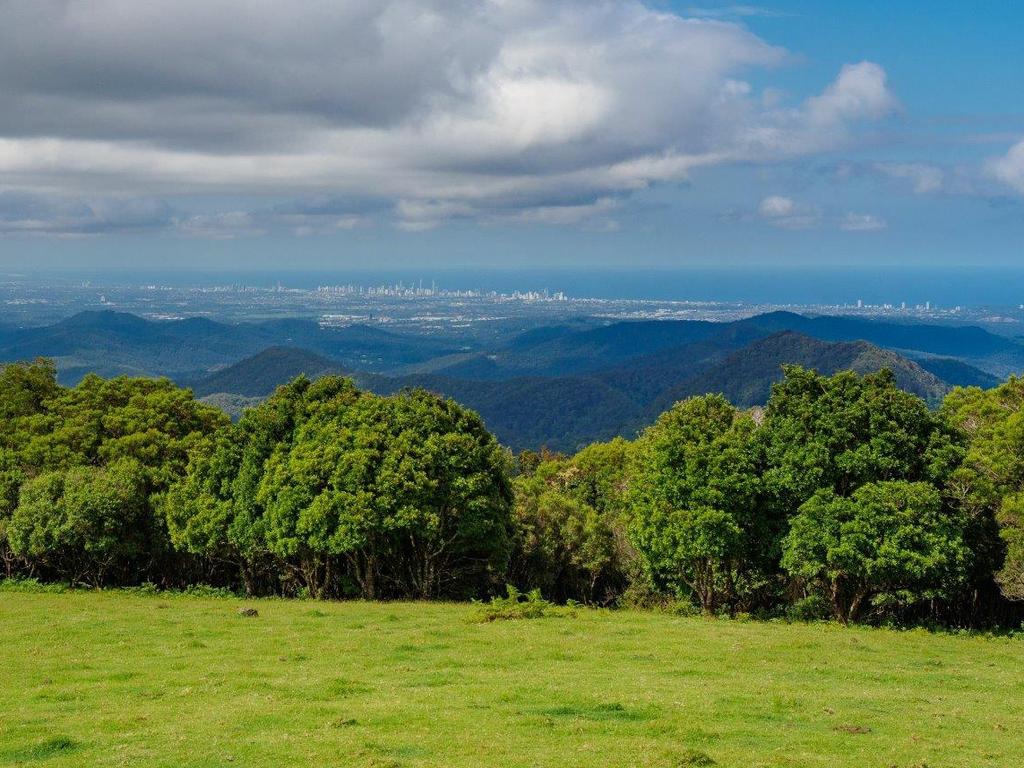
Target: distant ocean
[{"x": 945, "y": 287}]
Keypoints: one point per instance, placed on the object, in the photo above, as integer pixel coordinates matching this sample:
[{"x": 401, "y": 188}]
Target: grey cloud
[
  {"x": 232, "y": 70},
  {"x": 31, "y": 214},
  {"x": 541, "y": 111}
]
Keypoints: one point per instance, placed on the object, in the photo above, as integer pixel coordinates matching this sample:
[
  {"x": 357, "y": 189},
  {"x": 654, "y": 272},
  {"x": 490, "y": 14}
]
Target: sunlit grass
[{"x": 103, "y": 679}]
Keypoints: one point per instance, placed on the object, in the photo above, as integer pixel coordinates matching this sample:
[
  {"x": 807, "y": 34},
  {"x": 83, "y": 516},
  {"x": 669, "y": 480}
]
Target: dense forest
[
  {"x": 563, "y": 386},
  {"x": 844, "y": 497}
]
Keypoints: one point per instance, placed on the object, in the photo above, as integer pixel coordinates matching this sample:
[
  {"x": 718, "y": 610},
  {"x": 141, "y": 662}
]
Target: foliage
[
  {"x": 83, "y": 469},
  {"x": 841, "y": 432},
  {"x": 890, "y": 540},
  {"x": 693, "y": 497},
  {"x": 518, "y": 605},
  {"x": 402, "y": 496},
  {"x": 844, "y": 488},
  {"x": 989, "y": 486},
  {"x": 84, "y": 522},
  {"x": 569, "y": 518}
]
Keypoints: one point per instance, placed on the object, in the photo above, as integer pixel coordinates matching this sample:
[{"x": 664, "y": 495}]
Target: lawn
[{"x": 114, "y": 678}]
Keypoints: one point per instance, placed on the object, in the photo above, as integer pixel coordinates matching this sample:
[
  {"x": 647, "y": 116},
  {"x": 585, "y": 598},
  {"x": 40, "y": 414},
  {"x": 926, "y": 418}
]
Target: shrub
[
  {"x": 810, "y": 608},
  {"x": 519, "y": 605},
  {"x": 19, "y": 584}
]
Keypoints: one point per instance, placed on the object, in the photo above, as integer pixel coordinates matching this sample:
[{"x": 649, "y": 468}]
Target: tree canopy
[{"x": 844, "y": 497}]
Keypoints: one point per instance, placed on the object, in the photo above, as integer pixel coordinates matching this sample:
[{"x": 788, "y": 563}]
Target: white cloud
[
  {"x": 536, "y": 111},
  {"x": 1009, "y": 169},
  {"x": 775, "y": 206},
  {"x": 862, "y": 222},
  {"x": 784, "y": 212},
  {"x": 924, "y": 179},
  {"x": 861, "y": 92}
]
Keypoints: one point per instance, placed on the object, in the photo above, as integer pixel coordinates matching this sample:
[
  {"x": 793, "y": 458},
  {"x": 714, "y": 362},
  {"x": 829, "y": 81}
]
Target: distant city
[{"x": 422, "y": 307}]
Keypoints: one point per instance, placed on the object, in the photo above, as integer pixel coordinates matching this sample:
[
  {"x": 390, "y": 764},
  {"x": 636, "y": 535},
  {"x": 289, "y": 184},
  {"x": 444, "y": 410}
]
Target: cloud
[
  {"x": 532, "y": 111},
  {"x": 862, "y": 222},
  {"x": 861, "y": 92},
  {"x": 925, "y": 179},
  {"x": 69, "y": 216},
  {"x": 33, "y": 214},
  {"x": 784, "y": 212},
  {"x": 221, "y": 226},
  {"x": 741, "y": 11},
  {"x": 1009, "y": 169}
]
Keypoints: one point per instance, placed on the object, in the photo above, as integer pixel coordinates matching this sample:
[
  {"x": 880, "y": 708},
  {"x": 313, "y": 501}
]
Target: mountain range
[
  {"x": 565, "y": 412},
  {"x": 560, "y": 386}
]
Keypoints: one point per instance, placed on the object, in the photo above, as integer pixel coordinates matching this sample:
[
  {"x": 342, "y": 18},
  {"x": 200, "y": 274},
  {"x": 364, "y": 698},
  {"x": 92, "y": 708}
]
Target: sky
[{"x": 334, "y": 134}]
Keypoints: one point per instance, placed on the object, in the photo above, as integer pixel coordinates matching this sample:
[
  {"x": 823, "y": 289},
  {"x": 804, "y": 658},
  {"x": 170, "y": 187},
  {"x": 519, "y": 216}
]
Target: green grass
[{"x": 103, "y": 679}]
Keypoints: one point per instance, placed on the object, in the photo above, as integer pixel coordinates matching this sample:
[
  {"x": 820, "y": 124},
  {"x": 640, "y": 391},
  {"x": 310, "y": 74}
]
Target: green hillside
[
  {"x": 260, "y": 374},
  {"x": 745, "y": 377},
  {"x": 567, "y": 412}
]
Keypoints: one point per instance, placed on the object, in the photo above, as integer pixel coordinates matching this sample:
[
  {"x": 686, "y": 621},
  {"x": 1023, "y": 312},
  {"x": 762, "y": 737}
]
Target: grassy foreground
[{"x": 117, "y": 679}]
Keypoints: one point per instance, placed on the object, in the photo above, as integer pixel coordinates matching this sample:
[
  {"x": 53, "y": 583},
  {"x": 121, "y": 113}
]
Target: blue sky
[{"x": 512, "y": 133}]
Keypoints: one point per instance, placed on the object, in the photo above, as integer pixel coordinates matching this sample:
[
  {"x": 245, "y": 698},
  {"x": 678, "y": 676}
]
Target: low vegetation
[
  {"x": 114, "y": 678},
  {"x": 846, "y": 498}
]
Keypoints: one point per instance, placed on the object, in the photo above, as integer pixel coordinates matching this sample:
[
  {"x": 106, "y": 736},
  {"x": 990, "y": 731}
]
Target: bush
[
  {"x": 811, "y": 608},
  {"x": 520, "y": 605},
  {"x": 18, "y": 584}
]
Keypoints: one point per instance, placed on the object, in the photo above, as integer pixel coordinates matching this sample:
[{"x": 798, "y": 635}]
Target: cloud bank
[{"x": 535, "y": 111}]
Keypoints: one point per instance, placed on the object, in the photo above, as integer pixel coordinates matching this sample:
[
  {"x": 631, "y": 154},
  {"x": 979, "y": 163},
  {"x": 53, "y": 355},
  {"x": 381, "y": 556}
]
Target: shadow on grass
[
  {"x": 601, "y": 711},
  {"x": 58, "y": 745}
]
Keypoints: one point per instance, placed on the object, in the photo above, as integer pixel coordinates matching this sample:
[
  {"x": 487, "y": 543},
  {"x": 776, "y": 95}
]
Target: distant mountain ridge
[
  {"x": 113, "y": 343},
  {"x": 566, "y": 412},
  {"x": 560, "y": 385},
  {"x": 580, "y": 351}
]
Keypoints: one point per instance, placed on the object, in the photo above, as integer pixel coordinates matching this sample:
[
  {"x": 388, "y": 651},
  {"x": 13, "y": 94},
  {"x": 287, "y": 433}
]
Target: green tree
[
  {"x": 891, "y": 540},
  {"x": 411, "y": 490},
  {"x": 694, "y": 493},
  {"x": 84, "y": 522},
  {"x": 840, "y": 432},
  {"x": 989, "y": 483},
  {"x": 214, "y": 510},
  {"x": 25, "y": 388},
  {"x": 49, "y": 431},
  {"x": 562, "y": 546},
  {"x": 406, "y": 495},
  {"x": 570, "y": 524}
]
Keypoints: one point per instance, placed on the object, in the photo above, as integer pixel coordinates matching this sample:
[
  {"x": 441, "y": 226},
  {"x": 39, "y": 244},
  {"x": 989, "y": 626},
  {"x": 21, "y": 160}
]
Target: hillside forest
[
  {"x": 844, "y": 497},
  {"x": 562, "y": 386}
]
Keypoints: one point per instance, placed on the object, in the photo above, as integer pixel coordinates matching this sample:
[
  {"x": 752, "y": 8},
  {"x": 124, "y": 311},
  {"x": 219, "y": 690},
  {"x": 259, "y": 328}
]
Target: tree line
[{"x": 844, "y": 497}]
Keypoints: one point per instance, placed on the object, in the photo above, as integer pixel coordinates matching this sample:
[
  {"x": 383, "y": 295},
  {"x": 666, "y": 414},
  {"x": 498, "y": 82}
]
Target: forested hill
[
  {"x": 111, "y": 343},
  {"x": 745, "y": 376},
  {"x": 115, "y": 343},
  {"x": 569, "y": 350},
  {"x": 566, "y": 412},
  {"x": 261, "y": 374},
  {"x": 562, "y": 385}
]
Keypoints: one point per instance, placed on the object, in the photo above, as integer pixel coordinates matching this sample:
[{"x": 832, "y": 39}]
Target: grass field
[{"x": 112, "y": 678}]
